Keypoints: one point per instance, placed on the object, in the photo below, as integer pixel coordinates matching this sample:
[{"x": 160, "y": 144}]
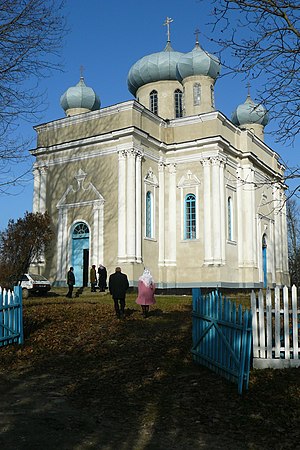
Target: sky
[{"x": 107, "y": 38}]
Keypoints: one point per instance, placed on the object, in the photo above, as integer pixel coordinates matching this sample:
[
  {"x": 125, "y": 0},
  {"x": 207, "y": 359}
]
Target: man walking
[
  {"x": 70, "y": 282},
  {"x": 118, "y": 285}
]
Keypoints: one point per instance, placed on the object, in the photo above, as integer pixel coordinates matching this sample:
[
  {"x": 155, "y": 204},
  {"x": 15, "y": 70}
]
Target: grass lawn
[{"x": 85, "y": 380}]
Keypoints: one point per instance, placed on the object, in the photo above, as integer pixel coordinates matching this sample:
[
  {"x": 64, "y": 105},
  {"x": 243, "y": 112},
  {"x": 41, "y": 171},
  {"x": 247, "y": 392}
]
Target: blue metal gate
[{"x": 222, "y": 337}]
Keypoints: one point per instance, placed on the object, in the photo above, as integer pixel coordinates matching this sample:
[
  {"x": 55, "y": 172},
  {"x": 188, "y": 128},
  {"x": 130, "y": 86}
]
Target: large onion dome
[
  {"x": 155, "y": 67},
  {"x": 80, "y": 97},
  {"x": 198, "y": 62},
  {"x": 250, "y": 113}
]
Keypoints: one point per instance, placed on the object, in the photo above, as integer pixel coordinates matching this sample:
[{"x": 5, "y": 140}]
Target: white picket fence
[{"x": 275, "y": 324}]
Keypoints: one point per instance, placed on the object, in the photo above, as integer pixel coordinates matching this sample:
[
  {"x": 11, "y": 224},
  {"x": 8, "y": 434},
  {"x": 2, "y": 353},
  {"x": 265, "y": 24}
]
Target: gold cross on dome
[{"x": 167, "y": 23}]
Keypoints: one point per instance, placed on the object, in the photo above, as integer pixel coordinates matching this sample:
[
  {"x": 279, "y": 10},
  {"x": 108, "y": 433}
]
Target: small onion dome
[
  {"x": 155, "y": 67},
  {"x": 250, "y": 112},
  {"x": 80, "y": 96},
  {"x": 198, "y": 62}
]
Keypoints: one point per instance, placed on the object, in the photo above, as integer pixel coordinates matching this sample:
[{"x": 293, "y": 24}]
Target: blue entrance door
[
  {"x": 80, "y": 248},
  {"x": 264, "y": 260}
]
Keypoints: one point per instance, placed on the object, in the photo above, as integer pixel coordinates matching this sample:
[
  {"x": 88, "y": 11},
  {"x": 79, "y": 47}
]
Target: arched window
[
  {"x": 154, "y": 102},
  {"x": 178, "y": 103},
  {"x": 190, "y": 217},
  {"x": 229, "y": 218},
  {"x": 197, "y": 94},
  {"x": 149, "y": 215},
  {"x": 80, "y": 231}
]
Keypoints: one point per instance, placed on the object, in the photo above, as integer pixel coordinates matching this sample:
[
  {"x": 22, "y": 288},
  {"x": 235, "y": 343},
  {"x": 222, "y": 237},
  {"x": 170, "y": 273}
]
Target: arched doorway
[
  {"x": 80, "y": 253},
  {"x": 264, "y": 260}
]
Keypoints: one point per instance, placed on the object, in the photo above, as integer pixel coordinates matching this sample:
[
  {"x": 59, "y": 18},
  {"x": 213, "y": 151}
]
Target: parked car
[{"x": 32, "y": 283}]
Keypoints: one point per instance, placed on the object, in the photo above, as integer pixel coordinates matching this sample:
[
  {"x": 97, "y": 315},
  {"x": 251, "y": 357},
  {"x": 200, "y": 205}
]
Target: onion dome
[
  {"x": 155, "y": 67},
  {"x": 80, "y": 96},
  {"x": 250, "y": 113},
  {"x": 198, "y": 62}
]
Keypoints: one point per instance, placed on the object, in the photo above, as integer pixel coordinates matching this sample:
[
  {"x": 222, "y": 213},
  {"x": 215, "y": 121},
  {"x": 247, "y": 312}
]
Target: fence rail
[
  {"x": 276, "y": 324},
  {"x": 222, "y": 336},
  {"x": 11, "y": 316}
]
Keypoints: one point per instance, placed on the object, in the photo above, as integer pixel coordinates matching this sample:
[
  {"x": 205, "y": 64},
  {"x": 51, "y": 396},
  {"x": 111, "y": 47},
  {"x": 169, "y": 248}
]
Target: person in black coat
[
  {"x": 70, "y": 282},
  {"x": 118, "y": 285},
  {"x": 102, "y": 278}
]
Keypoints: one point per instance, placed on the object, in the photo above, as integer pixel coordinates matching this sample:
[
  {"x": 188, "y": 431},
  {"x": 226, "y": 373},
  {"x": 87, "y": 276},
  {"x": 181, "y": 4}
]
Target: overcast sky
[{"x": 107, "y": 38}]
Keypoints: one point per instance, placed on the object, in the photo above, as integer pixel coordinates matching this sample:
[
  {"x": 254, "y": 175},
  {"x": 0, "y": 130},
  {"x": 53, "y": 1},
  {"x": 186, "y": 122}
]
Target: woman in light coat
[{"x": 146, "y": 289}]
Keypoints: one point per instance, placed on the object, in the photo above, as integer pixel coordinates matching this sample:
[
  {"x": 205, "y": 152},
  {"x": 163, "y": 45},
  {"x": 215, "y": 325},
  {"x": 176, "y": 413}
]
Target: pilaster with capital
[
  {"x": 131, "y": 205},
  {"x": 122, "y": 206},
  {"x": 161, "y": 224},
  {"x": 206, "y": 163},
  {"x": 138, "y": 199},
  {"x": 171, "y": 242}
]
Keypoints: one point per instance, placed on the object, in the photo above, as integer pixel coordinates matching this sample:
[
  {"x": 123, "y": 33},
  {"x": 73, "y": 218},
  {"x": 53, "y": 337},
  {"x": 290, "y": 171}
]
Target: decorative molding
[
  {"x": 80, "y": 177},
  {"x": 188, "y": 180},
  {"x": 150, "y": 178}
]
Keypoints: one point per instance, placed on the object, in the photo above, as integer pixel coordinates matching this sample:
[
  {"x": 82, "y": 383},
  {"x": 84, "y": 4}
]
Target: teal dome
[
  {"x": 198, "y": 62},
  {"x": 80, "y": 96},
  {"x": 250, "y": 112},
  {"x": 155, "y": 67}
]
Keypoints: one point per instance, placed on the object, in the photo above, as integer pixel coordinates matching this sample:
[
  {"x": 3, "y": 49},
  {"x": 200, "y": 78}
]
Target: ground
[{"x": 85, "y": 380}]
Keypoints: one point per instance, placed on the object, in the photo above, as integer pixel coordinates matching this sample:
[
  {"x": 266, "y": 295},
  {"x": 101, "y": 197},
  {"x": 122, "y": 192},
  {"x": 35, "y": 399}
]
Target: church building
[{"x": 163, "y": 181}]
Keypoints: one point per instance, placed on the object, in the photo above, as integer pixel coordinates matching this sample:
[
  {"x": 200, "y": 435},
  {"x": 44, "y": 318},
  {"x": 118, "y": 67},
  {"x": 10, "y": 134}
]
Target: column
[
  {"x": 216, "y": 211},
  {"x": 207, "y": 210},
  {"x": 36, "y": 189},
  {"x": 97, "y": 244},
  {"x": 249, "y": 217},
  {"x": 239, "y": 215},
  {"x": 171, "y": 257},
  {"x": 43, "y": 186},
  {"x": 131, "y": 204},
  {"x": 161, "y": 214},
  {"x": 138, "y": 206},
  {"x": 62, "y": 245},
  {"x": 122, "y": 207}
]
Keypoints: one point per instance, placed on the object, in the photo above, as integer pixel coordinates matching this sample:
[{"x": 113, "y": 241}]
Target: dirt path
[{"x": 84, "y": 380}]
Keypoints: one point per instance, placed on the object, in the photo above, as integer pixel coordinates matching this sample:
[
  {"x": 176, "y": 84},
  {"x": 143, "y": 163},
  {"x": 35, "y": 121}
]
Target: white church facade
[{"x": 164, "y": 181}]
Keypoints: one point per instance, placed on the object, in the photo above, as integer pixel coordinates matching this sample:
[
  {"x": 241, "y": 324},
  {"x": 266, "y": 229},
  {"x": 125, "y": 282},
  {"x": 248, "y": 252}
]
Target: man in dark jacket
[
  {"x": 70, "y": 282},
  {"x": 118, "y": 285}
]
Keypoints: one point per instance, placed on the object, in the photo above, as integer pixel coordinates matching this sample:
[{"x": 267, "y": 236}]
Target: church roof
[
  {"x": 198, "y": 62},
  {"x": 154, "y": 67},
  {"x": 250, "y": 112},
  {"x": 80, "y": 96}
]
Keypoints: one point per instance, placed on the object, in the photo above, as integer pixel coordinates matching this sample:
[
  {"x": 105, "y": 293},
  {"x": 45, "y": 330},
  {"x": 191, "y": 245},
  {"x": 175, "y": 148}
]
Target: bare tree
[
  {"x": 293, "y": 226},
  {"x": 23, "y": 242},
  {"x": 31, "y": 34},
  {"x": 261, "y": 39}
]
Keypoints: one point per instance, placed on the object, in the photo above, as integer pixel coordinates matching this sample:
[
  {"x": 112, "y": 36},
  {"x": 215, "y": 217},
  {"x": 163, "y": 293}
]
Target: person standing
[
  {"x": 146, "y": 289},
  {"x": 93, "y": 278},
  {"x": 102, "y": 278},
  {"x": 70, "y": 282},
  {"x": 118, "y": 285}
]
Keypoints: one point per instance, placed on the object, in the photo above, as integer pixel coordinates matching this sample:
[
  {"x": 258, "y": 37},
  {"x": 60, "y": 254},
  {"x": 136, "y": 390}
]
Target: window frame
[
  {"x": 153, "y": 101},
  {"x": 178, "y": 106},
  {"x": 190, "y": 217}
]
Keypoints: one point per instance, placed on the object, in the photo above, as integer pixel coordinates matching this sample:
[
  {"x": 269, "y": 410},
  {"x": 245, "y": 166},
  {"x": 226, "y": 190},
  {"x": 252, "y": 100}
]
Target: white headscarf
[{"x": 146, "y": 278}]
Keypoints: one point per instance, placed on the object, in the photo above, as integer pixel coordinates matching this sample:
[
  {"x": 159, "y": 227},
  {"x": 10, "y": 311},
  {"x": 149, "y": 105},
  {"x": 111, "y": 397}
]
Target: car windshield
[{"x": 36, "y": 277}]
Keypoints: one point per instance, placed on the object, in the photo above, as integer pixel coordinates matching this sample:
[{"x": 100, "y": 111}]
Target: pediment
[
  {"x": 80, "y": 193},
  {"x": 188, "y": 180},
  {"x": 150, "y": 178}
]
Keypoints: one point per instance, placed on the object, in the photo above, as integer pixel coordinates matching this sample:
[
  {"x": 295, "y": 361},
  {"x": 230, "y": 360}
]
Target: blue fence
[
  {"x": 222, "y": 337},
  {"x": 11, "y": 317}
]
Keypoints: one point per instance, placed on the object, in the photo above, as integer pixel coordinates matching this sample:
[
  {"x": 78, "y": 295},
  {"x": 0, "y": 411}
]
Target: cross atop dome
[
  {"x": 167, "y": 24},
  {"x": 196, "y": 33}
]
